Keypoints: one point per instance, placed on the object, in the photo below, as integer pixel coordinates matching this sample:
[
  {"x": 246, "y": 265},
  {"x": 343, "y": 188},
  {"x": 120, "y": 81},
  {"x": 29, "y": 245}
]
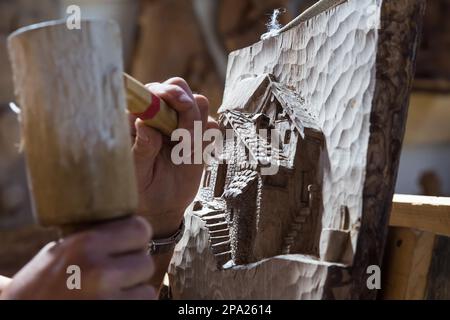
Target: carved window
[
  {"x": 207, "y": 178},
  {"x": 281, "y": 115},
  {"x": 263, "y": 122},
  {"x": 287, "y": 136},
  {"x": 231, "y": 214},
  {"x": 305, "y": 192},
  {"x": 220, "y": 180}
]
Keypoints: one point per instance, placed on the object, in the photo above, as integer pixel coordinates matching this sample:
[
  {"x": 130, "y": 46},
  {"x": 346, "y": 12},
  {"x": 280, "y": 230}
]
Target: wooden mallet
[{"x": 70, "y": 86}]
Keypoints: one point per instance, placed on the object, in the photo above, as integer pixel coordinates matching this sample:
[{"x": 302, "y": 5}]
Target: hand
[
  {"x": 165, "y": 189},
  {"x": 112, "y": 259}
]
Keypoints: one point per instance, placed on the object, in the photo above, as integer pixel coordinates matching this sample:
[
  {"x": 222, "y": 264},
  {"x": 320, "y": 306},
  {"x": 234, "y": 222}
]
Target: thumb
[{"x": 146, "y": 148}]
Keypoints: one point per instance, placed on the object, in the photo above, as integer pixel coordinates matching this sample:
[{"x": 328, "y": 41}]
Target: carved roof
[
  {"x": 246, "y": 94},
  {"x": 259, "y": 148},
  {"x": 240, "y": 183},
  {"x": 295, "y": 108},
  {"x": 254, "y": 95}
]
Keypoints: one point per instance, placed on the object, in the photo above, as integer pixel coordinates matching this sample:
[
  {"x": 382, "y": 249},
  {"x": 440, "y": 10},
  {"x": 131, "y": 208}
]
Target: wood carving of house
[
  {"x": 331, "y": 88},
  {"x": 271, "y": 157}
]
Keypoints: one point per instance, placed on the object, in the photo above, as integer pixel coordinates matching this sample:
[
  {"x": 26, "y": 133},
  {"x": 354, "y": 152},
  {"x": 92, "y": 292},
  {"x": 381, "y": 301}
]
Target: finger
[
  {"x": 204, "y": 103},
  {"x": 212, "y": 123},
  {"x": 118, "y": 237},
  {"x": 142, "y": 292},
  {"x": 132, "y": 120},
  {"x": 203, "y": 106},
  {"x": 172, "y": 94},
  {"x": 147, "y": 144},
  {"x": 181, "y": 101},
  {"x": 129, "y": 270},
  {"x": 182, "y": 84}
]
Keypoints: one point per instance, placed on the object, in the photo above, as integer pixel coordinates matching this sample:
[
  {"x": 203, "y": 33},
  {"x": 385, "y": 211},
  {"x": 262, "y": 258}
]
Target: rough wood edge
[
  {"x": 401, "y": 26},
  {"x": 438, "y": 282}
]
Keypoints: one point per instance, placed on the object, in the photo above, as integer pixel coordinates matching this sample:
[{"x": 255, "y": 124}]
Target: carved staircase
[
  {"x": 299, "y": 221},
  {"x": 219, "y": 235},
  {"x": 296, "y": 228}
]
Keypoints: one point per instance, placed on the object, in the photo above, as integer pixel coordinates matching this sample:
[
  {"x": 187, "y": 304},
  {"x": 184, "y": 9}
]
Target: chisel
[
  {"x": 143, "y": 104},
  {"x": 148, "y": 107}
]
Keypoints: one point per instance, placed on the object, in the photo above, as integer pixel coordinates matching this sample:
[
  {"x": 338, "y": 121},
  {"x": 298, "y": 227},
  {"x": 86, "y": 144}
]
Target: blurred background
[{"x": 191, "y": 39}]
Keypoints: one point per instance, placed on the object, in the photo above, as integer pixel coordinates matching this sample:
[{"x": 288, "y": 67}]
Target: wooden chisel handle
[{"x": 148, "y": 107}]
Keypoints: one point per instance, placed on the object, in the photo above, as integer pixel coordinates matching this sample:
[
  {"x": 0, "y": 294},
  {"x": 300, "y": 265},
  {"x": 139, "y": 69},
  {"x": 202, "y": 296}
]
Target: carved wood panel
[{"x": 355, "y": 79}]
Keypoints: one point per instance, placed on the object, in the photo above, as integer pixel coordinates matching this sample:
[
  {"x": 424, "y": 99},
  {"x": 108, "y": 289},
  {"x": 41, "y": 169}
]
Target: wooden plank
[
  {"x": 417, "y": 261},
  {"x": 430, "y": 214},
  {"x": 406, "y": 263}
]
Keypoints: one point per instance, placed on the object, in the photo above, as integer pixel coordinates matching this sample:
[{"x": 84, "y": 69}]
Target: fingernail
[
  {"x": 152, "y": 84},
  {"x": 154, "y": 87},
  {"x": 184, "y": 98}
]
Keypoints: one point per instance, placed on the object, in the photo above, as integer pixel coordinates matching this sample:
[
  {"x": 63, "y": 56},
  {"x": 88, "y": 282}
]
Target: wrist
[{"x": 166, "y": 245}]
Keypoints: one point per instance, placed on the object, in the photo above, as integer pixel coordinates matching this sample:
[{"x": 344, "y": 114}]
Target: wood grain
[
  {"x": 430, "y": 214},
  {"x": 406, "y": 263}
]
